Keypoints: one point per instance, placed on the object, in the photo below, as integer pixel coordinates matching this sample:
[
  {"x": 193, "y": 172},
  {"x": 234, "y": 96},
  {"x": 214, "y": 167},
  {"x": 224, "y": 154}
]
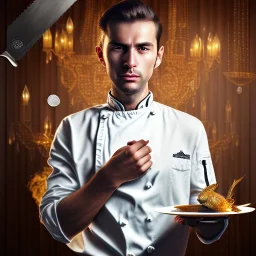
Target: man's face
[{"x": 130, "y": 54}]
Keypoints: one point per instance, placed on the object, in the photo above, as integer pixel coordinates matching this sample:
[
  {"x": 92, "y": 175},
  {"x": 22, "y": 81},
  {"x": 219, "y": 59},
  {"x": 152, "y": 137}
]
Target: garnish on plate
[{"x": 212, "y": 201}]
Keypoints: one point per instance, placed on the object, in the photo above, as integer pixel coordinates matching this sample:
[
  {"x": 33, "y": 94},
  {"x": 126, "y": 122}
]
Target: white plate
[{"x": 174, "y": 211}]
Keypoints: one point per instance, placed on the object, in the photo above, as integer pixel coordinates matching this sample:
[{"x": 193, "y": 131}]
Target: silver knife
[{"x": 23, "y": 33}]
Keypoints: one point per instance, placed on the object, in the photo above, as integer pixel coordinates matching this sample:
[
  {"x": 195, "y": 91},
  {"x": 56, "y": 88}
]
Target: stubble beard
[{"x": 131, "y": 89}]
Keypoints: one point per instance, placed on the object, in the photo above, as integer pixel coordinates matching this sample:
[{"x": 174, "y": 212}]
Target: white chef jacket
[{"x": 127, "y": 224}]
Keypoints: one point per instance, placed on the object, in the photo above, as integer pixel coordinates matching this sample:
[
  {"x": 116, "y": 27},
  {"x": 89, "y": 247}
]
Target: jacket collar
[{"x": 116, "y": 105}]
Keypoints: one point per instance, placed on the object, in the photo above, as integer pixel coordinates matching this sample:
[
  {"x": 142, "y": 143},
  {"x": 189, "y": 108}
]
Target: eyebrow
[{"x": 114, "y": 42}]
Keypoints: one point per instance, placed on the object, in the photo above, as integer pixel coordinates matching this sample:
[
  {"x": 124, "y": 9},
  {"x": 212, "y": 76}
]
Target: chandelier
[
  {"x": 207, "y": 52},
  {"x": 21, "y": 131},
  {"x": 63, "y": 42},
  {"x": 177, "y": 81},
  {"x": 217, "y": 142},
  {"x": 239, "y": 47}
]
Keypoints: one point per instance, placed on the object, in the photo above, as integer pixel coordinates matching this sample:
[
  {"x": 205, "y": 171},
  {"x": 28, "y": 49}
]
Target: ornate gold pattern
[{"x": 238, "y": 47}]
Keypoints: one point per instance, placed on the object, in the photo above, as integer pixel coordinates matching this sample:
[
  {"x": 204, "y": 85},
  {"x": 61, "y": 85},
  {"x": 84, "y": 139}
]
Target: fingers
[
  {"x": 132, "y": 147},
  {"x": 146, "y": 166},
  {"x": 120, "y": 150},
  {"x": 138, "y": 150},
  {"x": 131, "y": 142},
  {"x": 141, "y": 153},
  {"x": 136, "y": 146},
  {"x": 138, "y": 154},
  {"x": 192, "y": 222},
  {"x": 179, "y": 220},
  {"x": 144, "y": 159},
  {"x": 144, "y": 163}
]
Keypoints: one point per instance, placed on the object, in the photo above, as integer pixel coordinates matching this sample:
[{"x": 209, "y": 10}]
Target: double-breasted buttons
[
  {"x": 130, "y": 254},
  {"x": 123, "y": 223},
  {"x": 104, "y": 116},
  {"x": 148, "y": 185},
  {"x": 149, "y": 219},
  {"x": 150, "y": 249}
]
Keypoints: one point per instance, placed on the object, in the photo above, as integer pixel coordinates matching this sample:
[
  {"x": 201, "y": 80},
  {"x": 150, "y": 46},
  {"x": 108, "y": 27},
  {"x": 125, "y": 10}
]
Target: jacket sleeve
[
  {"x": 198, "y": 178},
  {"x": 62, "y": 182}
]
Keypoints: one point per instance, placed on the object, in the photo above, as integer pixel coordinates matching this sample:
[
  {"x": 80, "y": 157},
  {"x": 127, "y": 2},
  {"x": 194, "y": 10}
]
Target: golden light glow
[
  {"x": 196, "y": 47},
  {"x": 216, "y": 45},
  {"x": 209, "y": 46},
  {"x": 57, "y": 43},
  {"x": 69, "y": 26},
  {"x": 47, "y": 125},
  {"x": 64, "y": 41},
  {"x": 206, "y": 50},
  {"x": 47, "y": 39},
  {"x": 228, "y": 111},
  {"x": 37, "y": 185},
  {"x": 70, "y": 43},
  {"x": 213, "y": 46},
  {"x": 214, "y": 132},
  {"x": 25, "y": 95},
  {"x": 11, "y": 137},
  {"x": 203, "y": 110}
]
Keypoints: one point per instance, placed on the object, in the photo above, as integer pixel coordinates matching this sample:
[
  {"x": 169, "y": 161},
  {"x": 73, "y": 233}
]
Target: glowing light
[
  {"x": 69, "y": 26},
  {"x": 195, "y": 48},
  {"x": 25, "y": 95},
  {"x": 47, "y": 39}
]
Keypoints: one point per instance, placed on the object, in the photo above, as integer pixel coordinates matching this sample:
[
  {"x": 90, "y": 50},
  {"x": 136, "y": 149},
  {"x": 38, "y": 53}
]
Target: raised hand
[{"x": 128, "y": 163}]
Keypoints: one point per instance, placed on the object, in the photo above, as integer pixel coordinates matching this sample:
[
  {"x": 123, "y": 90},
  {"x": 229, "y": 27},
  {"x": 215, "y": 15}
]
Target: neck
[{"x": 130, "y": 101}]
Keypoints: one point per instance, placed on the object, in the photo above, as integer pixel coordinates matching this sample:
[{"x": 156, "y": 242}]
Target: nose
[{"x": 130, "y": 59}]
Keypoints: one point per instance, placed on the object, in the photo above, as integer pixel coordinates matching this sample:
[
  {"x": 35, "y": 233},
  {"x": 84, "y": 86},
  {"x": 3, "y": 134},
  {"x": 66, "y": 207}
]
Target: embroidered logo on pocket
[{"x": 181, "y": 155}]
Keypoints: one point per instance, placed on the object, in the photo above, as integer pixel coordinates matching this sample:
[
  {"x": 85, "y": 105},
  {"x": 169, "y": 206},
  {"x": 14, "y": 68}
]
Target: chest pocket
[
  {"x": 179, "y": 174},
  {"x": 181, "y": 164}
]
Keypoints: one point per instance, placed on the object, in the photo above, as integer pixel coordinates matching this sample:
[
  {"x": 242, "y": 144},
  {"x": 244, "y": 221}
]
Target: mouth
[{"x": 130, "y": 77}]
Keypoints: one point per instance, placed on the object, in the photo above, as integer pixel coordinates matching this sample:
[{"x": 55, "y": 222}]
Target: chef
[{"x": 113, "y": 164}]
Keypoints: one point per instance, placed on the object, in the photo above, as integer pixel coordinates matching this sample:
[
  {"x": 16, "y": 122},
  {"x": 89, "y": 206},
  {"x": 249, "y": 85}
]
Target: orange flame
[{"x": 37, "y": 185}]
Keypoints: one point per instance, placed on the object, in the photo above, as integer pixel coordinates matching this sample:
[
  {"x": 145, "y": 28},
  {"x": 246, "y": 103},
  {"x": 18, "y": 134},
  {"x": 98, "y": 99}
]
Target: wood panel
[
  {"x": 2, "y": 130},
  {"x": 252, "y": 184}
]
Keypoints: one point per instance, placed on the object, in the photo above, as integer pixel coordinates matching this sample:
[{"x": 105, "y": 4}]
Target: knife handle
[{"x": 10, "y": 58}]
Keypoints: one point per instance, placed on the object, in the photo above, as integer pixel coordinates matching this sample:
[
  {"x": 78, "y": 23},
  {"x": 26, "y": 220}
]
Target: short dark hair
[{"x": 129, "y": 11}]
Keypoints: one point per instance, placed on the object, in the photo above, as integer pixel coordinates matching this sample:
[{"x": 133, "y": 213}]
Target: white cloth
[{"x": 127, "y": 224}]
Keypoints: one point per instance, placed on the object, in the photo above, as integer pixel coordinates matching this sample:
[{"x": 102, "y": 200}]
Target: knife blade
[{"x": 24, "y": 32}]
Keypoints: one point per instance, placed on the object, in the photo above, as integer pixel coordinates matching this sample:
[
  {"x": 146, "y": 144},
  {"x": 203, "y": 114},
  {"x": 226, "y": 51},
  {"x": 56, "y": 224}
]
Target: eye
[
  {"x": 143, "y": 48},
  {"x": 118, "y": 48}
]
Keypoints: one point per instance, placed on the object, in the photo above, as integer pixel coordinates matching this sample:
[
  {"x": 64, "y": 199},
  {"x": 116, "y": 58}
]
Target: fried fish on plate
[{"x": 212, "y": 201}]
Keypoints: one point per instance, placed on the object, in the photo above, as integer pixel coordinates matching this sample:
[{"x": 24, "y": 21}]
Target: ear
[
  {"x": 100, "y": 55},
  {"x": 159, "y": 57}
]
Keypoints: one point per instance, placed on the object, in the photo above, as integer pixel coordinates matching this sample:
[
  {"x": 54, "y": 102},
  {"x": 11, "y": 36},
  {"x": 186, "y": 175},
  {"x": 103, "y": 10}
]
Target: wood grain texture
[{"x": 2, "y": 131}]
